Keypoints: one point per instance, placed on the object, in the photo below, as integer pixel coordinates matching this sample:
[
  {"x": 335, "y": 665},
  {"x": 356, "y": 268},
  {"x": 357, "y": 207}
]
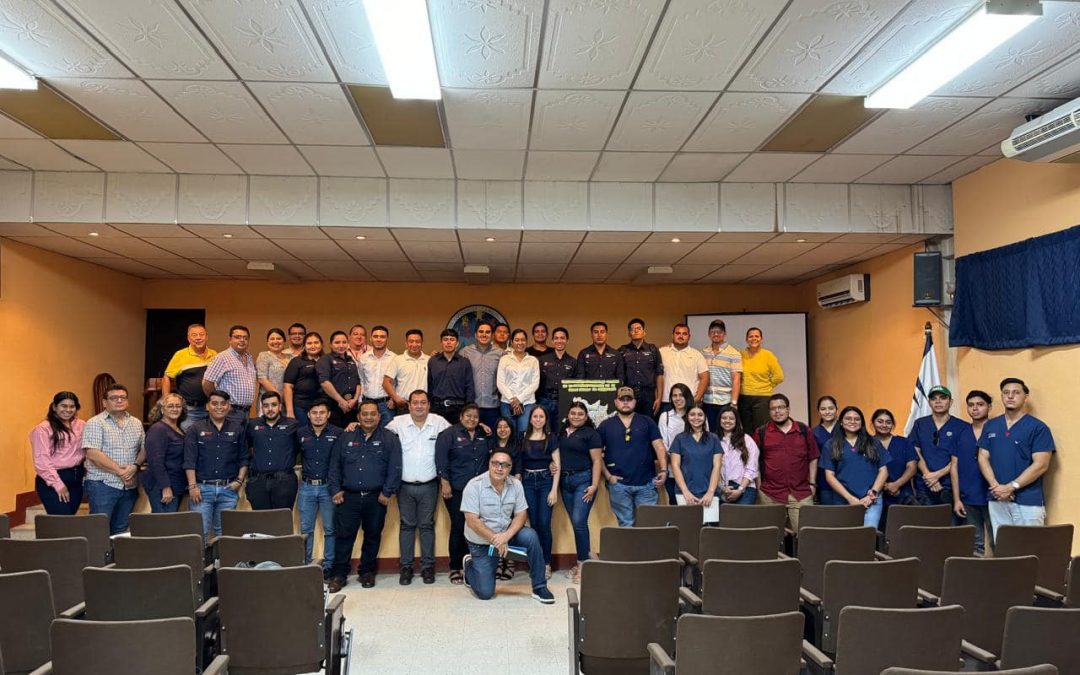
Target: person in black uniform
[
  {"x": 339, "y": 379},
  {"x": 365, "y": 472},
  {"x": 556, "y": 364},
  {"x": 598, "y": 361},
  {"x": 644, "y": 369},
  {"x": 301, "y": 382},
  {"x": 215, "y": 462},
  {"x": 449, "y": 379},
  {"x": 461, "y": 453},
  {"x": 272, "y": 439},
  {"x": 316, "y": 440}
]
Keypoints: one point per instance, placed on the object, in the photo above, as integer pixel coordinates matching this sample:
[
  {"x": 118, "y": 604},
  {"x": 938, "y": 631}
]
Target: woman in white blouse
[
  {"x": 517, "y": 380},
  {"x": 672, "y": 423}
]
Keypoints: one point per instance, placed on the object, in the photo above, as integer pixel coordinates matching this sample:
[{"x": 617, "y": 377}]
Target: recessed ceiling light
[
  {"x": 489, "y": 238},
  {"x": 227, "y": 236},
  {"x": 675, "y": 240},
  {"x": 94, "y": 234},
  {"x": 800, "y": 241},
  {"x": 361, "y": 237}
]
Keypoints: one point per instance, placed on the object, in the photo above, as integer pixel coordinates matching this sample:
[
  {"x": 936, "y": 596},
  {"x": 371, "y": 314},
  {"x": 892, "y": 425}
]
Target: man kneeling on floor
[{"x": 495, "y": 513}]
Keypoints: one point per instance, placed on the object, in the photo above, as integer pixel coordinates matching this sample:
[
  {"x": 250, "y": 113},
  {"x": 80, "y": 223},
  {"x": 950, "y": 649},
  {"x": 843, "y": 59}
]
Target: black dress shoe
[
  {"x": 406, "y": 576},
  {"x": 367, "y": 580},
  {"x": 336, "y": 585},
  {"x": 428, "y": 574}
]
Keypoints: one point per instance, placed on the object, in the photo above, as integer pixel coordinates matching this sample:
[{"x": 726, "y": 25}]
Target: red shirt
[{"x": 785, "y": 461}]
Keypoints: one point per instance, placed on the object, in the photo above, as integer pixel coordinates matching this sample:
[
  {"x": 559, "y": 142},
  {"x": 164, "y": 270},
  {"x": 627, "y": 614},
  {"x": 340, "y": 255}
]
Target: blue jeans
[
  {"x": 749, "y": 496},
  {"x": 626, "y": 498},
  {"x": 194, "y": 415},
  {"x": 215, "y": 499},
  {"x": 489, "y": 416},
  {"x": 537, "y": 487},
  {"x": 979, "y": 516},
  {"x": 316, "y": 500},
  {"x": 385, "y": 413},
  {"x": 873, "y": 515},
  {"x": 153, "y": 496},
  {"x": 573, "y": 488},
  {"x": 480, "y": 568},
  {"x": 521, "y": 422},
  {"x": 113, "y": 502},
  {"x": 239, "y": 415},
  {"x": 300, "y": 415},
  {"x": 1011, "y": 513}
]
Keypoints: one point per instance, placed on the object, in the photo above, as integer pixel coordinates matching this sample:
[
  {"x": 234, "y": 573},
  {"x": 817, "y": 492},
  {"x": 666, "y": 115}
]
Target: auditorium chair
[
  {"x": 165, "y": 524},
  {"x": 276, "y": 621},
  {"x": 623, "y": 607},
  {"x": 986, "y": 588},
  {"x": 95, "y": 527},
  {"x": 763, "y": 645},
  {"x": 1042, "y": 669},
  {"x": 63, "y": 559},
  {"x": 686, "y": 517},
  {"x": 151, "y": 593},
  {"x": 641, "y": 544},
  {"x": 286, "y": 551},
  {"x": 818, "y": 515},
  {"x": 819, "y": 545},
  {"x": 932, "y": 546},
  {"x": 901, "y": 515},
  {"x": 24, "y": 624},
  {"x": 160, "y": 646},
  {"x": 726, "y": 543},
  {"x": 1072, "y": 597},
  {"x": 275, "y": 522},
  {"x": 745, "y": 588},
  {"x": 892, "y": 584},
  {"x": 1051, "y": 544},
  {"x": 5, "y": 526},
  {"x": 132, "y": 553},
  {"x": 1035, "y": 635},
  {"x": 753, "y": 515},
  {"x": 871, "y": 639}
]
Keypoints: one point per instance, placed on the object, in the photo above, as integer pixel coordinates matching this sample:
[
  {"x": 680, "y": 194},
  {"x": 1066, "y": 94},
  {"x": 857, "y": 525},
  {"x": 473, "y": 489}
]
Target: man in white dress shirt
[{"x": 407, "y": 372}]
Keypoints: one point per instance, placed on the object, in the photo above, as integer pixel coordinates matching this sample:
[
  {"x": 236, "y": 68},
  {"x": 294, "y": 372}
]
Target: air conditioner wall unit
[
  {"x": 1053, "y": 137},
  {"x": 844, "y": 291}
]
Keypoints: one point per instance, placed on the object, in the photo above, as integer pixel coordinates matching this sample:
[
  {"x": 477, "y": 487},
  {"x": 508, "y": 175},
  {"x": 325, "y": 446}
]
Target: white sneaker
[{"x": 464, "y": 566}]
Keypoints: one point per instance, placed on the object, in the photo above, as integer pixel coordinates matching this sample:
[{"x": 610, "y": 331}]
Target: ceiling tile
[
  {"x": 224, "y": 111},
  {"x": 896, "y": 131},
  {"x": 330, "y": 160},
  {"x": 547, "y": 272},
  {"x": 422, "y": 203},
  {"x": 373, "y": 251},
  {"x": 771, "y": 167},
  {"x": 690, "y": 210},
  {"x": 574, "y": 120},
  {"x": 132, "y": 267},
  {"x": 140, "y": 197},
  {"x": 701, "y": 166},
  {"x": 684, "y": 237},
  {"x": 190, "y": 247},
  {"x": 961, "y": 168},
  {"x": 631, "y": 166},
  {"x": 680, "y": 274},
  {"x": 9, "y": 128},
  {"x": 551, "y": 236},
  {"x": 489, "y": 164},
  {"x": 155, "y": 39},
  {"x": 485, "y": 252},
  {"x": 741, "y": 121},
  {"x": 839, "y": 168},
  {"x": 345, "y": 33},
  {"x": 741, "y": 237},
  {"x": 130, "y": 107},
  {"x": 596, "y": 45},
  {"x": 346, "y": 270},
  {"x": 230, "y": 268},
  {"x": 184, "y": 267},
  {"x": 368, "y": 233},
  {"x": 603, "y": 252},
  {"x": 153, "y": 230},
  {"x": 282, "y": 200},
  {"x": 660, "y": 254},
  {"x": 7, "y": 165},
  {"x": 908, "y": 169},
  {"x": 658, "y": 120},
  {"x": 785, "y": 273},
  {"x": 865, "y": 237},
  {"x": 616, "y": 237},
  {"x": 552, "y": 205},
  {"x": 731, "y": 274},
  {"x": 416, "y": 162},
  {"x": 254, "y": 249},
  {"x": 276, "y": 160},
  {"x": 701, "y": 43},
  {"x": 46, "y": 42},
  {"x": 192, "y": 157},
  {"x": 488, "y": 119},
  {"x": 215, "y": 232},
  {"x": 84, "y": 230},
  {"x": 995, "y": 120},
  {"x": 404, "y": 234},
  {"x": 587, "y": 273},
  {"x": 356, "y": 202},
  {"x": 131, "y": 247},
  {"x": 818, "y": 237},
  {"x": 263, "y": 40},
  {"x": 313, "y": 249},
  {"x": 716, "y": 254},
  {"x": 1060, "y": 81},
  {"x": 811, "y": 41},
  {"x": 66, "y": 246},
  {"x": 432, "y": 251},
  {"x": 621, "y": 206},
  {"x": 298, "y": 231},
  {"x": 391, "y": 271},
  {"x": 42, "y": 155},
  {"x": 24, "y": 230},
  {"x": 832, "y": 252},
  {"x": 547, "y": 253},
  {"x": 552, "y": 165},
  {"x": 312, "y": 114},
  {"x": 486, "y": 44},
  {"x": 114, "y": 156},
  {"x": 774, "y": 253}
]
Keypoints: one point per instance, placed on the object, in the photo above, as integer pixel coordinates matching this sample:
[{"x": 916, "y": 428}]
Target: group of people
[{"x": 481, "y": 428}]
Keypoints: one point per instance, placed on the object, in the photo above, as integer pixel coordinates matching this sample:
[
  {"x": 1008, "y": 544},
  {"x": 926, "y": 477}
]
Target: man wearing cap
[
  {"x": 935, "y": 438},
  {"x": 633, "y": 450}
]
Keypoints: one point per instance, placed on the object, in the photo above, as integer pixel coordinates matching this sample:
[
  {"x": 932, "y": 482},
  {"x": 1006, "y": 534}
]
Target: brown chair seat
[
  {"x": 819, "y": 545},
  {"x": 275, "y": 522},
  {"x": 1051, "y": 544},
  {"x": 287, "y": 551},
  {"x": 1043, "y": 669},
  {"x": 747, "y": 588},
  {"x": 186, "y": 549},
  {"x": 95, "y": 527},
  {"x": 753, "y": 515},
  {"x": 24, "y": 624},
  {"x": 933, "y": 546},
  {"x": 1035, "y": 635},
  {"x": 893, "y": 584},
  {"x": 165, "y": 524},
  {"x": 686, "y": 517},
  {"x": 818, "y": 515},
  {"x": 728, "y": 543},
  {"x": 900, "y": 515},
  {"x": 638, "y": 544},
  {"x": 63, "y": 559},
  {"x": 763, "y": 645}
]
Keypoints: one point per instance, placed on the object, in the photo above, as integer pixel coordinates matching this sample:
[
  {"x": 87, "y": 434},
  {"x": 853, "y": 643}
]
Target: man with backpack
[{"x": 789, "y": 458}]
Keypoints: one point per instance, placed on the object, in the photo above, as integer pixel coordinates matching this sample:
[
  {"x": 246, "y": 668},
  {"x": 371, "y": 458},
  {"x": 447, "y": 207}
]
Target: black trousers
[
  {"x": 339, "y": 418},
  {"x": 644, "y": 402},
  {"x": 360, "y": 510},
  {"x": 272, "y": 490},
  {"x": 753, "y": 412},
  {"x": 712, "y": 415},
  {"x": 458, "y": 545},
  {"x": 73, "y": 480},
  {"x": 451, "y": 413}
]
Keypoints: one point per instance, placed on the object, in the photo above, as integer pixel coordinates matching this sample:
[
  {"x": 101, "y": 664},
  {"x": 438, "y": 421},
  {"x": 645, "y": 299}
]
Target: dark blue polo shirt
[
  {"x": 632, "y": 459},
  {"x": 340, "y": 371},
  {"x": 574, "y": 449},
  {"x": 300, "y": 373},
  {"x": 855, "y": 471},
  {"x": 316, "y": 449},
  {"x": 592, "y": 365},
  {"x": 273, "y": 447},
  {"x": 359, "y": 463},
  {"x": 937, "y": 454},
  {"x": 974, "y": 489},
  {"x": 553, "y": 371},
  {"x": 450, "y": 380},
  {"x": 642, "y": 365},
  {"x": 901, "y": 451},
  {"x": 459, "y": 458},
  {"x": 1011, "y": 453},
  {"x": 824, "y": 491},
  {"x": 696, "y": 459},
  {"x": 215, "y": 454}
]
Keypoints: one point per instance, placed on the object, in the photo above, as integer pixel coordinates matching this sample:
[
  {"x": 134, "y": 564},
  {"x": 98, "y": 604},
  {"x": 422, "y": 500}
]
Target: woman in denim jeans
[
  {"x": 538, "y": 456},
  {"x": 856, "y": 464},
  {"x": 580, "y": 455}
]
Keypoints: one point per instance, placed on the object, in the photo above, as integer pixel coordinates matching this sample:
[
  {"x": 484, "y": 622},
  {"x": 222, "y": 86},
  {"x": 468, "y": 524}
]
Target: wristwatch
[{"x": 1015, "y": 485}]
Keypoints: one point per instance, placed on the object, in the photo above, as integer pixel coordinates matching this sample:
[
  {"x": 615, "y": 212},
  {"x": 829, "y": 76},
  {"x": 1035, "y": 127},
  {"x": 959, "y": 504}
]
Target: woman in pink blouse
[{"x": 58, "y": 456}]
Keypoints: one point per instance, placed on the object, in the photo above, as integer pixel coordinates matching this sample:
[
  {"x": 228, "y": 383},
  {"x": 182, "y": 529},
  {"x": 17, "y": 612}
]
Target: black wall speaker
[{"x": 928, "y": 282}]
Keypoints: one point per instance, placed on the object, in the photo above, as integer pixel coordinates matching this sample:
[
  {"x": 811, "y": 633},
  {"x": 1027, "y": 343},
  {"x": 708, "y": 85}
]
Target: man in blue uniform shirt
[
  {"x": 600, "y": 361},
  {"x": 272, "y": 439},
  {"x": 556, "y": 365},
  {"x": 316, "y": 440},
  {"x": 215, "y": 462},
  {"x": 935, "y": 438},
  {"x": 972, "y": 491},
  {"x": 632, "y": 451}
]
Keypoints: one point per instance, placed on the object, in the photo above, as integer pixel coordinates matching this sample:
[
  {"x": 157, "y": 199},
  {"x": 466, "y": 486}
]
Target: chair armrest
[
  {"x": 879, "y": 556},
  {"x": 977, "y": 653},
  {"x": 207, "y": 608},
  {"x": 692, "y": 600},
  {"x": 788, "y": 532},
  {"x": 1046, "y": 597},
  {"x": 43, "y": 670},
  {"x": 110, "y": 566},
  {"x": 819, "y": 662},
  {"x": 219, "y": 666},
  {"x": 783, "y": 556},
  {"x": 336, "y": 605},
  {"x": 809, "y": 598},
  {"x": 74, "y": 612},
  {"x": 573, "y": 617},
  {"x": 661, "y": 662},
  {"x": 880, "y": 545},
  {"x": 572, "y": 598},
  {"x": 928, "y": 599},
  {"x": 688, "y": 559}
]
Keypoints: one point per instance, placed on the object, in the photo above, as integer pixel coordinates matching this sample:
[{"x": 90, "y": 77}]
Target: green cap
[{"x": 939, "y": 390}]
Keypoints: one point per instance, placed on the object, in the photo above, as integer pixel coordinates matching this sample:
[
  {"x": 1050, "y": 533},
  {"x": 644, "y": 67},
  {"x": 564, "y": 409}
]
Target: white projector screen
[{"x": 785, "y": 336}]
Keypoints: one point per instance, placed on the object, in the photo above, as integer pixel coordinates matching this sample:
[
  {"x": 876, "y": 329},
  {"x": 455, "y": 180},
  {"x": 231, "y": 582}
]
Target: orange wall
[
  {"x": 62, "y": 322},
  {"x": 1000, "y": 204}
]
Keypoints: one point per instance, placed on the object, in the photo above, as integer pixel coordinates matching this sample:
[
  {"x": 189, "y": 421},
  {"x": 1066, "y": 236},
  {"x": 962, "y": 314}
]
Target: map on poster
[{"x": 465, "y": 319}]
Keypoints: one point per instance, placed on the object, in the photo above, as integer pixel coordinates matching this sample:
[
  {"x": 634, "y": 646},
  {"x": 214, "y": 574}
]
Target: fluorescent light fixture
[
  {"x": 403, "y": 39},
  {"x": 974, "y": 38},
  {"x": 14, "y": 77}
]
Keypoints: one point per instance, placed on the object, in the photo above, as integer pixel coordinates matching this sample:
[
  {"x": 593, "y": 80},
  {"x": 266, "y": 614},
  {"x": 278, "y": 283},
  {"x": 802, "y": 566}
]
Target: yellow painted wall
[{"x": 62, "y": 322}]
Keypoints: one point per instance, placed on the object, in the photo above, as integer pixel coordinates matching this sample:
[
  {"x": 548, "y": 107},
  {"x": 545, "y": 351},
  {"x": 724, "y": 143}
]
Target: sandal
[
  {"x": 457, "y": 577},
  {"x": 505, "y": 571}
]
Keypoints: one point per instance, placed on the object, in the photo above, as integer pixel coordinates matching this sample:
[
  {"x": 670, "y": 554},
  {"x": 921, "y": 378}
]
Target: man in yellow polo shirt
[{"x": 184, "y": 374}]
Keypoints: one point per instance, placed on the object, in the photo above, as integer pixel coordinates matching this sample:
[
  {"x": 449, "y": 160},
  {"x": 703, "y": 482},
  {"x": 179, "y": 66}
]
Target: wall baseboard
[{"x": 23, "y": 501}]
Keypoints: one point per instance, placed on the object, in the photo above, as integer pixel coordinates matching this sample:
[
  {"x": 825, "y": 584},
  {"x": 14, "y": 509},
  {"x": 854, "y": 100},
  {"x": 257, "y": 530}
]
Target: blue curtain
[{"x": 1025, "y": 294}]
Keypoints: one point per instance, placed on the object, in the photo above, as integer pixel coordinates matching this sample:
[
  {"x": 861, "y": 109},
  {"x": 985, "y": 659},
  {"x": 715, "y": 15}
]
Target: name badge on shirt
[
  {"x": 376, "y": 443},
  {"x": 206, "y": 433},
  {"x": 257, "y": 427},
  {"x": 991, "y": 435},
  {"x": 352, "y": 444},
  {"x": 230, "y": 433}
]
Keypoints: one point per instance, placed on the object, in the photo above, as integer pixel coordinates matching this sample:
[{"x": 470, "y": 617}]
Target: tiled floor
[{"x": 441, "y": 629}]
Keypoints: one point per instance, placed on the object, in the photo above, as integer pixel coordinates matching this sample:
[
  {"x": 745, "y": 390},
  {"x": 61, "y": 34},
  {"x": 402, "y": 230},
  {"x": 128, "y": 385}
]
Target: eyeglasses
[
  {"x": 777, "y": 408},
  {"x": 501, "y": 465},
  {"x": 118, "y": 397}
]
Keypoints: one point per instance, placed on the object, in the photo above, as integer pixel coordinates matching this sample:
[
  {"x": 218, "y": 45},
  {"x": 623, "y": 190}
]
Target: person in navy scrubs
[
  {"x": 856, "y": 465},
  {"x": 696, "y": 456},
  {"x": 827, "y": 409},
  {"x": 903, "y": 463},
  {"x": 935, "y": 438},
  {"x": 971, "y": 497}
]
